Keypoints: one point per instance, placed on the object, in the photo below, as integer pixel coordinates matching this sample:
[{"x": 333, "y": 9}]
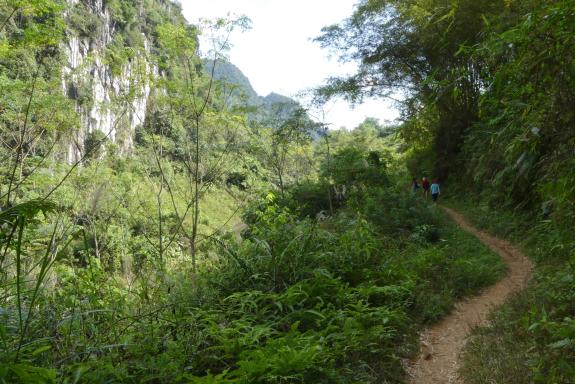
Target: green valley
[{"x": 162, "y": 222}]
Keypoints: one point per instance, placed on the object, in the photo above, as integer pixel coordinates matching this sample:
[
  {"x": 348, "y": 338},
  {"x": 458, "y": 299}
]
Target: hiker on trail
[
  {"x": 435, "y": 190},
  {"x": 414, "y": 186},
  {"x": 425, "y": 186}
]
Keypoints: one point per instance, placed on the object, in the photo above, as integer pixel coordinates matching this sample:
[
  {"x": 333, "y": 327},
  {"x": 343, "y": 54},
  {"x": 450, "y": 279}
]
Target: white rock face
[{"x": 117, "y": 102}]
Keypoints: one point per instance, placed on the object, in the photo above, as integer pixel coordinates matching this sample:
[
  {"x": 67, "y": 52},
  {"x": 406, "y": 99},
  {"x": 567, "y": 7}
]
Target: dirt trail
[{"x": 442, "y": 344}]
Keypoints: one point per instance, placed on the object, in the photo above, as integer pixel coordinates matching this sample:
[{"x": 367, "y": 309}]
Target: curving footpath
[{"x": 442, "y": 344}]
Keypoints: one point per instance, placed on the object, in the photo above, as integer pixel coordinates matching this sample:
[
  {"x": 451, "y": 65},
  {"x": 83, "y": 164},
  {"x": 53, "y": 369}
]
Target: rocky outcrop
[{"x": 113, "y": 101}]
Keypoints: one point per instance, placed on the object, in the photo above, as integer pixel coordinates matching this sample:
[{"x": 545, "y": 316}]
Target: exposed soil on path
[{"x": 442, "y": 344}]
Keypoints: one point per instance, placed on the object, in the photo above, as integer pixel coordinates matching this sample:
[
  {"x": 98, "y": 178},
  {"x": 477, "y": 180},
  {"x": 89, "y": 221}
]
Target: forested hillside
[{"x": 162, "y": 223}]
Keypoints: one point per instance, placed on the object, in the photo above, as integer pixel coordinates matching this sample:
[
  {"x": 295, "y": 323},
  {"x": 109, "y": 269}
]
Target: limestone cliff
[{"x": 109, "y": 64}]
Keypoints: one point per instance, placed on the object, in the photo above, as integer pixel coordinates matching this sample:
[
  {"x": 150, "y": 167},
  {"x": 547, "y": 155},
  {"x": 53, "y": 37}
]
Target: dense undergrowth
[
  {"x": 530, "y": 339},
  {"x": 337, "y": 301},
  {"x": 117, "y": 269}
]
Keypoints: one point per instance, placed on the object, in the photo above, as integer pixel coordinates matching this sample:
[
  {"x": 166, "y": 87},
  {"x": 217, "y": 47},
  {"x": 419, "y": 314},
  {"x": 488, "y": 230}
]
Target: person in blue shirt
[{"x": 435, "y": 190}]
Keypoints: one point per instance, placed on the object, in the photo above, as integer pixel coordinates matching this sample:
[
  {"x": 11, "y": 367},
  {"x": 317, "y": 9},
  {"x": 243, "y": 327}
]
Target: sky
[{"x": 278, "y": 55}]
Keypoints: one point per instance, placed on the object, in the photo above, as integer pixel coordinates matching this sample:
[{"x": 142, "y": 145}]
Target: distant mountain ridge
[{"x": 245, "y": 94}]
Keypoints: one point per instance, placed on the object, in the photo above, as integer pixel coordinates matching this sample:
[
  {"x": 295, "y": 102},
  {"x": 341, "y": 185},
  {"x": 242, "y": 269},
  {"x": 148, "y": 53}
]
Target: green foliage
[
  {"x": 94, "y": 145},
  {"x": 17, "y": 357},
  {"x": 283, "y": 143},
  {"x": 296, "y": 300},
  {"x": 133, "y": 276},
  {"x": 84, "y": 21},
  {"x": 27, "y": 210},
  {"x": 354, "y": 168},
  {"x": 530, "y": 338},
  {"x": 523, "y": 142},
  {"x": 415, "y": 47},
  {"x": 516, "y": 136},
  {"x": 119, "y": 52},
  {"x": 489, "y": 102},
  {"x": 25, "y": 373},
  {"x": 34, "y": 25},
  {"x": 310, "y": 198},
  {"x": 124, "y": 13}
]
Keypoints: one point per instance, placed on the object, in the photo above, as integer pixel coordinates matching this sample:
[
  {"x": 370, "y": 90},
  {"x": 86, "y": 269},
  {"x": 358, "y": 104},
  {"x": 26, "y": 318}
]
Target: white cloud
[{"x": 277, "y": 54}]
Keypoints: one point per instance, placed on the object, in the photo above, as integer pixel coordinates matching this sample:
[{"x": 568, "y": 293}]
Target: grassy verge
[{"x": 531, "y": 339}]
